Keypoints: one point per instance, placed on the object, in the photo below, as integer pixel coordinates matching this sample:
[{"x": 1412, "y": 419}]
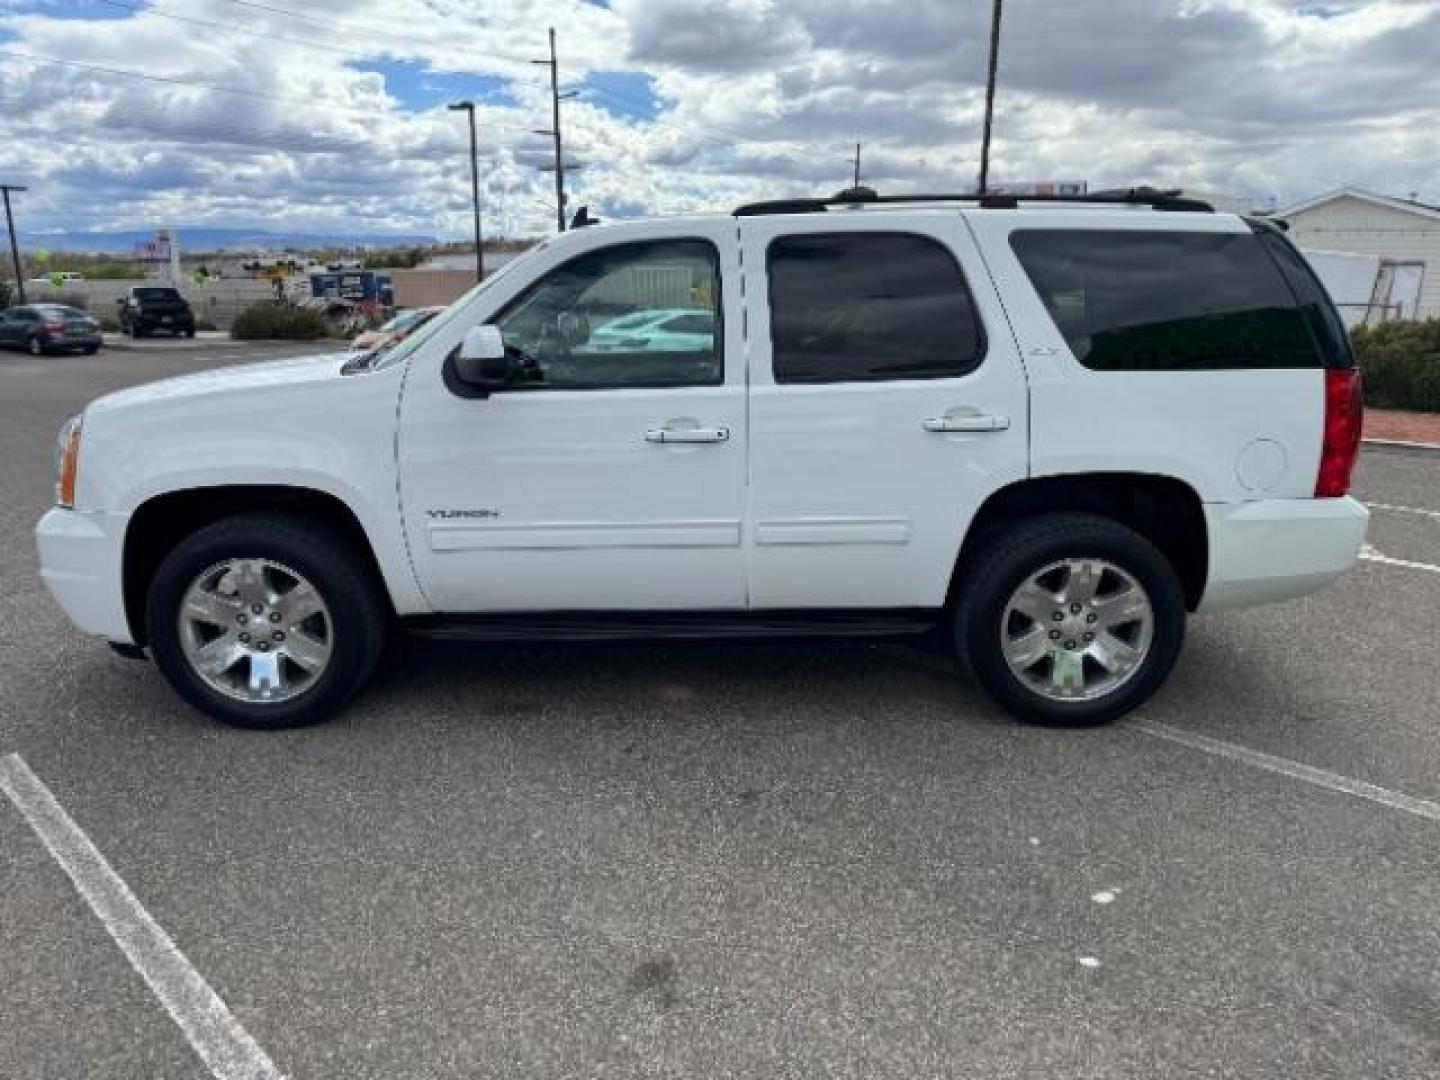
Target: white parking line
[
  {"x": 1295, "y": 770},
  {"x": 1416, "y": 510},
  {"x": 1370, "y": 554},
  {"x": 216, "y": 1035}
]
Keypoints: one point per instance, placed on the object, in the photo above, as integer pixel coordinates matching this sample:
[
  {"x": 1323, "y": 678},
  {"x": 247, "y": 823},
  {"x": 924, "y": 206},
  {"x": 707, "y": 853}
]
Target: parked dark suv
[{"x": 144, "y": 308}]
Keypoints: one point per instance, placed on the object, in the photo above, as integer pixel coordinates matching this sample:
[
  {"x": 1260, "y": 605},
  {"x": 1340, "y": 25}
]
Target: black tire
[
  {"x": 35, "y": 345},
  {"x": 190, "y": 332},
  {"x": 338, "y": 572},
  {"x": 91, "y": 350},
  {"x": 1014, "y": 554},
  {"x": 135, "y": 332}
]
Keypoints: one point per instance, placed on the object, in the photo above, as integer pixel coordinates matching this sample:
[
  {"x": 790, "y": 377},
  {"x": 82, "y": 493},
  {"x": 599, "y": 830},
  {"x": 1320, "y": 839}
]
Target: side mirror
[{"x": 480, "y": 366}]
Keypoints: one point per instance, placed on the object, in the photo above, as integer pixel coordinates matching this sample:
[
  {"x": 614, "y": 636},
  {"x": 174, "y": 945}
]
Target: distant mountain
[{"x": 191, "y": 240}]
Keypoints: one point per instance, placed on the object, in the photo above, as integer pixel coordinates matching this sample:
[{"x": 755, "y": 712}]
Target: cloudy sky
[{"x": 123, "y": 114}]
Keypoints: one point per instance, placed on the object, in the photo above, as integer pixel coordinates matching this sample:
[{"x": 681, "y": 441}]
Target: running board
[{"x": 676, "y": 626}]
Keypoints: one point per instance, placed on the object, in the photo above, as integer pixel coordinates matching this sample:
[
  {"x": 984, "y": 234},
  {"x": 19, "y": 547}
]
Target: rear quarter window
[{"x": 1141, "y": 300}]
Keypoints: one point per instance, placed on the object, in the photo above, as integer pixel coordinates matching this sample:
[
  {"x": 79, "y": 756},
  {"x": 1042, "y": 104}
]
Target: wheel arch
[
  {"x": 1166, "y": 511},
  {"x": 163, "y": 520}
]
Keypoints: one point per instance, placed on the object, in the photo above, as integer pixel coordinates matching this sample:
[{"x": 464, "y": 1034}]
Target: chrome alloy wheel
[
  {"x": 1077, "y": 630},
  {"x": 255, "y": 631}
]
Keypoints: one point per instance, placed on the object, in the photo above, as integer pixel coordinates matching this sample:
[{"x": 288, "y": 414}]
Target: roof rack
[{"x": 1171, "y": 199}]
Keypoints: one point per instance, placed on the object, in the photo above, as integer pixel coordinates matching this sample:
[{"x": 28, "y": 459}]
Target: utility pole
[
  {"x": 6, "y": 189},
  {"x": 990, "y": 96},
  {"x": 469, "y": 108},
  {"x": 555, "y": 98},
  {"x": 857, "y": 166}
]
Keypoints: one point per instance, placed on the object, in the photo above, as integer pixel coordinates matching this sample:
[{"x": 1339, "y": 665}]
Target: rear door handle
[
  {"x": 966, "y": 422},
  {"x": 688, "y": 435}
]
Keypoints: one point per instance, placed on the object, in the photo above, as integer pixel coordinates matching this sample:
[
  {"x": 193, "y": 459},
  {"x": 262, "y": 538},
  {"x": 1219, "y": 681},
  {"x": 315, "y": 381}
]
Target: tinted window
[
  {"x": 156, "y": 294},
  {"x": 1166, "y": 301},
  {"x": 853, "y": 307},
  {"x": 1315, "y": 303},
  {"x": 590, "y": 323}
]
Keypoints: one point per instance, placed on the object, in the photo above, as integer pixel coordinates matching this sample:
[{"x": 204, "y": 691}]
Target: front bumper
[
  {"x": 81, "y": 563},
  {"x": 1278, "y": 549}
]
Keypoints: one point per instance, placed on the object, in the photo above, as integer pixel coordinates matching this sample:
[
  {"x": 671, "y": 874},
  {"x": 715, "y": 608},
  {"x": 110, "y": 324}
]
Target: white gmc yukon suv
[{"x": 1047, "y": 429}]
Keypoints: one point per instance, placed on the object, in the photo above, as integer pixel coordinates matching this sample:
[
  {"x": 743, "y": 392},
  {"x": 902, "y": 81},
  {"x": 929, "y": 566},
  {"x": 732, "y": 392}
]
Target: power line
[
  {"x": 170, "y": 80},
  {"x": 162, "y": 13}
]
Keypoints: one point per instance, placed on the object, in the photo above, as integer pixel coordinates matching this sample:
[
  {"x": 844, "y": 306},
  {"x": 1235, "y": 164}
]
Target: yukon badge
[{"x": 445, "y": 515}]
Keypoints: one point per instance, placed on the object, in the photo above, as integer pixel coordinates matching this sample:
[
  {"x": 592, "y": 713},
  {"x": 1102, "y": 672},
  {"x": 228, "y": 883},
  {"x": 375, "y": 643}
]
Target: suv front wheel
[
  {"x": 1070, "y": 619},
  {"x": 265, "y": 620}
]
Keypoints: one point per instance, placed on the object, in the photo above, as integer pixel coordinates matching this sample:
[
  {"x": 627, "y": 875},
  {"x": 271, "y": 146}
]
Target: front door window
[{"x": 633, "y": 315}]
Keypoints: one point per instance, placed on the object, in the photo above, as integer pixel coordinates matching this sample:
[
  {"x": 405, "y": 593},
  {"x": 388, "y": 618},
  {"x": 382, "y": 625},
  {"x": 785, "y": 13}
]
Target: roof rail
[{"x": 1171, "y": 199}]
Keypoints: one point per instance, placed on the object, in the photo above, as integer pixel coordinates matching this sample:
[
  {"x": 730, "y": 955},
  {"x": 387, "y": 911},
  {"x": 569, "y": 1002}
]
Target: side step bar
[{"x": 675, "y": 626}]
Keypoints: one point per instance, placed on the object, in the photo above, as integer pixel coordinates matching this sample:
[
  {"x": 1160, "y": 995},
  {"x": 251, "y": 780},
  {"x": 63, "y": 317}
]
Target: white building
[{"x": 1379, "y": 256}]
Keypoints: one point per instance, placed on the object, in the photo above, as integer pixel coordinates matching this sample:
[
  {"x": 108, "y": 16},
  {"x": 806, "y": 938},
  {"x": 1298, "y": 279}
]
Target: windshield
[
  {"x": 156, "y": 294},
  {"x": 395, "y": 352}
]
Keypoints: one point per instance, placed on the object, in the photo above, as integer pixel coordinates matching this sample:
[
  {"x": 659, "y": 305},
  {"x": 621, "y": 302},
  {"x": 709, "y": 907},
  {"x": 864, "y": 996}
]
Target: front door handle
[
  {"x": 966, "y": 422},
  {"x": 688, "y": 435}
]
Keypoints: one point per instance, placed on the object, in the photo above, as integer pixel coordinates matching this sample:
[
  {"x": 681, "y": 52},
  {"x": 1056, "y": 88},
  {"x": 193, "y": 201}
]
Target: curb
[
  {"x": 1401, "y": 444},
  {"x": 121, "y": 343}
]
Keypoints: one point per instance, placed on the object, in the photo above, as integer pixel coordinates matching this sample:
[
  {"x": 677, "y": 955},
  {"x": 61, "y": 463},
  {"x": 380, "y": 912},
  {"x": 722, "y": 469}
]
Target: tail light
[{"x": 1344, "y": 414}]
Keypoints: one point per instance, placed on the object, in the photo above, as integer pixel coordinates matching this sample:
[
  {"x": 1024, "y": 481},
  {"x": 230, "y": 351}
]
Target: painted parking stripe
[
  {"x": 225, "y": 1047},
  {"x": 1370, "y": 554},
  {"x": 1416, "y": 510},
  {"x": 1295, "y": 770}
]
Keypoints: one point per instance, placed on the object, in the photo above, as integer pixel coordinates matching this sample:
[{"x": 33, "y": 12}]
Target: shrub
[
  {"x": 269, "y": 319},
  {"x": 1400, "y": 363}
]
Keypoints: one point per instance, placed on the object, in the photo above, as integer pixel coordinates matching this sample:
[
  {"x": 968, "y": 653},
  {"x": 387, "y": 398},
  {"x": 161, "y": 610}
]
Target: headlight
[{"x": 67, "y": 460}]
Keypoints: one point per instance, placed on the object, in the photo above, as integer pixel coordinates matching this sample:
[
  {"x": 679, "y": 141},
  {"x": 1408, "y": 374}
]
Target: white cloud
[{"x": 1269, "y": 99}]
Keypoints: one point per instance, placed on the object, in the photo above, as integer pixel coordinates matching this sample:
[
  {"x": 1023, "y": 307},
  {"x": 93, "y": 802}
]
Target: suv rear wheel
[
  {"x": 1070, "y": 619},
  {"x": 265, "y": 620}
]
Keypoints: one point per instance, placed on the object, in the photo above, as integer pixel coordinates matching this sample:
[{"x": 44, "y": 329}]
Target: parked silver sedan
[{"x": 49, "y": 328}]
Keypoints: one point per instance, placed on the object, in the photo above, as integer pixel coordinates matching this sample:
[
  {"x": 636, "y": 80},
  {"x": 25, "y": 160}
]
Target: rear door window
[
  {"x": 1139, "y": 300},
  {"x": 864, "y": 306}
]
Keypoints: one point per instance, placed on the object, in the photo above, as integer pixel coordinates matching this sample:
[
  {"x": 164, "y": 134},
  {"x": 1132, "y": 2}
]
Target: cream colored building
[{"x": 1402, "y": 237}]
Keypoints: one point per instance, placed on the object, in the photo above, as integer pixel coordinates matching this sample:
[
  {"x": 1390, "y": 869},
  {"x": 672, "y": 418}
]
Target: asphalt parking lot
[{"x": 739, "y": 861}]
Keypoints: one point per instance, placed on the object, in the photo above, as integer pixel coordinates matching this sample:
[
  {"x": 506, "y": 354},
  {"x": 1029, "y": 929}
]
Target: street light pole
[
  {"x": 6, "y": 189},
  {"x": 990, "y": 96},
  {"x": 468, "y": 107}
]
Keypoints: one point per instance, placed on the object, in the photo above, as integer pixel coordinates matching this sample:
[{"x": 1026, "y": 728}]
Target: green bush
[
  {"x": 269, "y": 319},
  {"x": 1400, "y": 364}
]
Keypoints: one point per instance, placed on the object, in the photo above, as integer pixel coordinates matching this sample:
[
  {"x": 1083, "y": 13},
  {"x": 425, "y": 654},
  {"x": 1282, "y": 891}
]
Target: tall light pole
[
  {"x": 990, "y": 95},
  {"x": 6, "y": 189},
  {"x": 468, "y": 107}
]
